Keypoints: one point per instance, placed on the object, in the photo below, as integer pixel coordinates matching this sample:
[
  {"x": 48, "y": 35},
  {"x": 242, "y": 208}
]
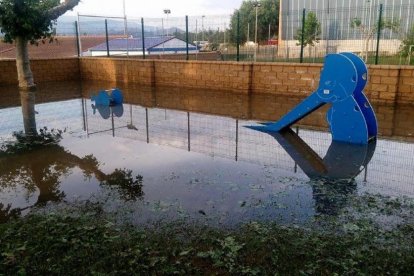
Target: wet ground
[{"x": 187, "y": 154}]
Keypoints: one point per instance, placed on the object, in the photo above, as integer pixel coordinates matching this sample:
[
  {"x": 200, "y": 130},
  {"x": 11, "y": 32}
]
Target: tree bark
[
  {"x": 27, "y": 99},
  {"x": 59, "y": 10},
  {"x": 366, "y": 49},
  {"x": 27, "y": 86},
  {"x": 24, "y": 73}
]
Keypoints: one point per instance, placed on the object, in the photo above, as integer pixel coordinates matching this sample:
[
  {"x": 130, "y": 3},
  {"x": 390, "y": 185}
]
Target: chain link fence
[{"x": 379, "y": 33}]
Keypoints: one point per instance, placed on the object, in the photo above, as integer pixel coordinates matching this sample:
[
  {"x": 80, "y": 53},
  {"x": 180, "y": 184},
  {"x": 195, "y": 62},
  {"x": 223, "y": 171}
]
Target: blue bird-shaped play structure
[{"x": 351, "y": 118}]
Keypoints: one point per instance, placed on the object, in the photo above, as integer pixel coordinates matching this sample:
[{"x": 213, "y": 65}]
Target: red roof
[{"x": 63, "y": 46}]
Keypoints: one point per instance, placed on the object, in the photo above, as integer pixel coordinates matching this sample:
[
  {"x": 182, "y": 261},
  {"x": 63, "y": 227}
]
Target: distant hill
[
  {"x": 62, "y": 47},
  {"x": 96, "y": 26}
]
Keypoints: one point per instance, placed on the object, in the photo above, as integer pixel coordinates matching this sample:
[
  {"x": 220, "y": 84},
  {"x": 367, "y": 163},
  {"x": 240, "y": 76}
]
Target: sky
[{"x": 154, "y": 8}]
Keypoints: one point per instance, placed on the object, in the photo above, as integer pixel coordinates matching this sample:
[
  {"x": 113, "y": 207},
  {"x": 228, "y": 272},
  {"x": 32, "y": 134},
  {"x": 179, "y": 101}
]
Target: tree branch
[{"x": 59, "y": 10}]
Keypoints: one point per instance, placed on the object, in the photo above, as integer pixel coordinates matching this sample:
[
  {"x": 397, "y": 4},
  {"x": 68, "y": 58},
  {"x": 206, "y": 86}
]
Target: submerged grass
[{"x": 89, "y": 243}]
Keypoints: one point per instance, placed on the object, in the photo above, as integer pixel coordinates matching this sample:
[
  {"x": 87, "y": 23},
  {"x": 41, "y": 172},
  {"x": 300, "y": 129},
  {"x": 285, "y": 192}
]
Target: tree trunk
[
  {"x": 27, "y": 99},
  {"x": 24, "y": 73},
  {"x": 368, "y": 38},
  {"x": 26, "y": 86},
  {"x": 366, "y": 50}
]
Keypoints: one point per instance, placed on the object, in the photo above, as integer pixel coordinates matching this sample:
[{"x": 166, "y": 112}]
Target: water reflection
[
  {"x": 38, "y": 165},
  {"x": 342, "y": 162},
  {"x": 40, "y": 171},
  {"x": 107, "y": 111},
  {"x": 395, "y": 120},
  {"x": 332, "y": 177}
]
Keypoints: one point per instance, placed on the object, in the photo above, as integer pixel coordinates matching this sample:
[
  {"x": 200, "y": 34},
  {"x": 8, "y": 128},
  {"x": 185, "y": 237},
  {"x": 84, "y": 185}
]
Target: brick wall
[
  {"x": 66, "y": 69},
  {"x": 386, "y": 83},
  {"x": 45, "y": 70},
  {"x": 204, "y": 74},
  {"x": 8, "y": 72},
  {"x": 285, "y": 78},
  {"x": 118, "y": 70},
  {"x": 382, "y": 83},
  {"x": 199, "y": 74},
  {"x": 406, "y": 85}
]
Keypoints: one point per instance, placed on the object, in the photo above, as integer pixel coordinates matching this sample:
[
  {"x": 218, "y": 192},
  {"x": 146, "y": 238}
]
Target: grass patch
[{"x": 89, "y": 243}]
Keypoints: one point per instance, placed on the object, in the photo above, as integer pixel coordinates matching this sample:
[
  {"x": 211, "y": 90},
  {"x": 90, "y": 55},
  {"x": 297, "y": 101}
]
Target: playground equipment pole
[
  {"x": 302, "y": 39},
  {"x": 379, "y": 33}
]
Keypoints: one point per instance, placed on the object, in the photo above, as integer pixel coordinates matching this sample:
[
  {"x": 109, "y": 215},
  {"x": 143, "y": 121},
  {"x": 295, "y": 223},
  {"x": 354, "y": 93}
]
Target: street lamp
[
  {"x": 125, "y": 28},
  {"x": 370, "y": 13},
  {"x": 328, "y": 21},
  {"x": 167, "y": 12},
  {"x": 202, "y": 28},
  {"x": 256, "y": 5}
]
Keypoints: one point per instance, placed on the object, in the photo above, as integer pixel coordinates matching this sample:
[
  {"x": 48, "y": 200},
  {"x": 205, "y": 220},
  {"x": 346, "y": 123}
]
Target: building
[
  {"x": 133, "y": 46},
  {"x": 335, "y": 16}
]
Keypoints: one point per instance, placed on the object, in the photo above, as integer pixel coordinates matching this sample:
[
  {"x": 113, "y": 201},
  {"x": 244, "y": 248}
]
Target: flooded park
[
  {"x": 274, "y": 139},
  {"x": 169, "y": 158}
]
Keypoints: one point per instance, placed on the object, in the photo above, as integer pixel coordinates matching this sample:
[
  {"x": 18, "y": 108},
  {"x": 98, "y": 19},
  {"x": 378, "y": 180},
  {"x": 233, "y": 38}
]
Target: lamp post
[
  {"x": 167, "y": 12},
  {"x": 327, "y": 29},
  {"x": 124, "y": 11},
  {"x": 369, "y": 30},
  {"x": 256, "y": 5},
  {"x": 202, "y": 28},
  {"x": 125, "y": 28},
  {"x": 370, "y": 13}
]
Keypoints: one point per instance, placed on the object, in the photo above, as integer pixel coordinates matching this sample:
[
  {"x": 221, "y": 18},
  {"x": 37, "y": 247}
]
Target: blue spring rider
[
  {"x": 108, "y": 97},
  {"x": 351, "y": 118}
]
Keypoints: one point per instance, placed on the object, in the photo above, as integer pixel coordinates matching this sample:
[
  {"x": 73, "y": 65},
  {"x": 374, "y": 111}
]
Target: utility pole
[{"x": 256, "y": 4}]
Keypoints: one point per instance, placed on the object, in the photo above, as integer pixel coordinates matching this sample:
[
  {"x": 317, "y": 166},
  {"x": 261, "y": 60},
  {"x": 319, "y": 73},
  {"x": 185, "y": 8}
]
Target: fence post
[
  {"x": 77, "y": 38},
  {"x": 379, "y": 33},
  {"x": 106, "y": 38},
  {"x": 302, "y": 39},
  {"x": 143, "y": 38},
  {"x": 186, "y": 36},
  {"x": 238, "y": 36}
]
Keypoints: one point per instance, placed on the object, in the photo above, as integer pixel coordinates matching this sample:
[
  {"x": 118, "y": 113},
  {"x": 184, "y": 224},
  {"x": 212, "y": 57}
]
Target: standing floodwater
[{"x": 185, "y": 164}]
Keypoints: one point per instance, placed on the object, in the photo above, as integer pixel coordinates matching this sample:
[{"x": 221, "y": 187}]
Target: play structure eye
[{"x": 364, "y": 76}]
